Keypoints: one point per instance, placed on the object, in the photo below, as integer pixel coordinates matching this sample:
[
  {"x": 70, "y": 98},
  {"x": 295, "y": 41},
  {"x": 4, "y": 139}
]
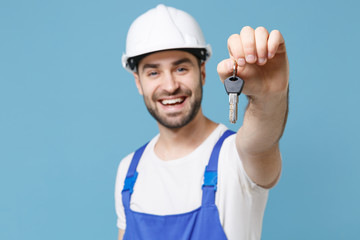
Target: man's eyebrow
[
  {"x": 177, "y": 62},
  {"x": 183, "y": 60},
  {"x": 150, "y": 65}
]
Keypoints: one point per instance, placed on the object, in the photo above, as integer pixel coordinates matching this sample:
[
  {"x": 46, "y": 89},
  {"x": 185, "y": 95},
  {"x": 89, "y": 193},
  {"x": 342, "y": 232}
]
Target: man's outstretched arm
[{"x": 263, "y": 65}]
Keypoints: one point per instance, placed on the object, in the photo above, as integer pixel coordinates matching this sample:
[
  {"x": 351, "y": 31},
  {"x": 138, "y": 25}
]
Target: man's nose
[{"x": 169, "y": 83}]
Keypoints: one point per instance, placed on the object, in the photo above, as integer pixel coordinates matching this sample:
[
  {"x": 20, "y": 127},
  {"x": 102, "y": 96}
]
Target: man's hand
[
  {"x": 262, "y": 62},
  {"x": 263, "y": 65}
]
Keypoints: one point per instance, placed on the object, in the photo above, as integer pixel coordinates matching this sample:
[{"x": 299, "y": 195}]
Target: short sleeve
[
  {"x": 236, "y": 165},
  {"x": 119, "y": 184},
  {"x": 240, "y": 201}
]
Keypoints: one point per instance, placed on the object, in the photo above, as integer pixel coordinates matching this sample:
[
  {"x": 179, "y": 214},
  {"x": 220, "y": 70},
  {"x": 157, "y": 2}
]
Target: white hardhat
[{"x": 163, "y": 28}]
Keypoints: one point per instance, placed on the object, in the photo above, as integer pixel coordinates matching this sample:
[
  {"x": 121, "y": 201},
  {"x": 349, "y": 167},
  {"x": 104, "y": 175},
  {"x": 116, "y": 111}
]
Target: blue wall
[{"x": 69, "y": 113}]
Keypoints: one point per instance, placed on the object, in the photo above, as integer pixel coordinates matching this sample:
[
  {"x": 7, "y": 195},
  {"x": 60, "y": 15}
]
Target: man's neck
[{"x": 176, "y": 143}]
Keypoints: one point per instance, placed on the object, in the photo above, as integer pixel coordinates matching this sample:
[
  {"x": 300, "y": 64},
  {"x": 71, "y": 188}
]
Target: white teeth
[{"x": 172, "y": 101}]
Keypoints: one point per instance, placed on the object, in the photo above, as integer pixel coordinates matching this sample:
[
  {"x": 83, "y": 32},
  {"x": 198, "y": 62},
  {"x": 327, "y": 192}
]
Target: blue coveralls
[{"x": 202, "y": 223}]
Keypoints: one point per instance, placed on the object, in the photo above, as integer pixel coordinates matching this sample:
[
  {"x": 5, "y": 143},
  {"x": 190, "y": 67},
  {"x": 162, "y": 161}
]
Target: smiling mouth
[{"x": 173, "y": 101}]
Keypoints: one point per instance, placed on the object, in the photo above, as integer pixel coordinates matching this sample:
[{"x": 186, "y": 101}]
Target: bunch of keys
[{"x": 233, "y": 87}]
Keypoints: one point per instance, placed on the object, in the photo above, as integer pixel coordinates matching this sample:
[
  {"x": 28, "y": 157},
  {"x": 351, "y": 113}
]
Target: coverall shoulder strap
[
  {"x": 135, "y": 160},
  {"x": 211, "y": 172},
  {"x": 214, "y": 158},
  {"x": 131, "y": 176}
]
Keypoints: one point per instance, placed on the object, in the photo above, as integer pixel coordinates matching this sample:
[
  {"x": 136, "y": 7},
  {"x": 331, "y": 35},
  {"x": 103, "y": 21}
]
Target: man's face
[{"x": 171, "y": 84}]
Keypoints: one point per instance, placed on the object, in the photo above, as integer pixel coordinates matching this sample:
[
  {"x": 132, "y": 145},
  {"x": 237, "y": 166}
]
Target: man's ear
[
  {"x": 137, "y": 82},
  {"x": 203, "y": 73}
]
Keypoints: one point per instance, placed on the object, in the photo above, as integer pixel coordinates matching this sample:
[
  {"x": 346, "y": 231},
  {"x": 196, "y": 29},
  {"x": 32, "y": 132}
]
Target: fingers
[
  {"x": 261, "y": 36},
  {"x": 275, "y": 41},
  {"x": 247, "y": 37},
  {"x": 236, "y": 49},
  {"x": 254, "y": 46}
]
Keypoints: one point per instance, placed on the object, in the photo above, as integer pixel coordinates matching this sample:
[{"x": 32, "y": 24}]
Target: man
[{"x": 195, "y": 180}]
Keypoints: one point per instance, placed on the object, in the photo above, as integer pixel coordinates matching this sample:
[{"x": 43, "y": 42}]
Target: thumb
[{"x": 225, "y": 69}]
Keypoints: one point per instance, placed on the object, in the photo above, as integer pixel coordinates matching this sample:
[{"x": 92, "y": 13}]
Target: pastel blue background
[{"x": 69, "y": 113}]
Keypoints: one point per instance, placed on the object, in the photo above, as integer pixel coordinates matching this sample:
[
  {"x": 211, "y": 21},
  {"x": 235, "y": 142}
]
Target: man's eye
[
  {"x": 181, "y": 69},
  {"x": 153, "y": 73}
]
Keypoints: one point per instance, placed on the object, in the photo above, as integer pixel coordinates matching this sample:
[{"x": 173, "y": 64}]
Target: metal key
[{"x": 233, "y": 87}]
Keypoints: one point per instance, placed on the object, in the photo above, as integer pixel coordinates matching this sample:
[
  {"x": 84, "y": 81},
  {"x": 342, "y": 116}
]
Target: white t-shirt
[{"x": 173, "y": 187}]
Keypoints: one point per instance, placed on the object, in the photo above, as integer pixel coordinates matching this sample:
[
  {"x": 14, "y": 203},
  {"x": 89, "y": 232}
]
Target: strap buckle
[
  {"x": 129, "y": 183},
  {"x": 210, "y": 179}
]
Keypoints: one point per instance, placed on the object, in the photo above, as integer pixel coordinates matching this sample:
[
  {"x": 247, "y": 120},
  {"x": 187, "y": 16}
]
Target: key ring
[{"x": 235, "y": 69}]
